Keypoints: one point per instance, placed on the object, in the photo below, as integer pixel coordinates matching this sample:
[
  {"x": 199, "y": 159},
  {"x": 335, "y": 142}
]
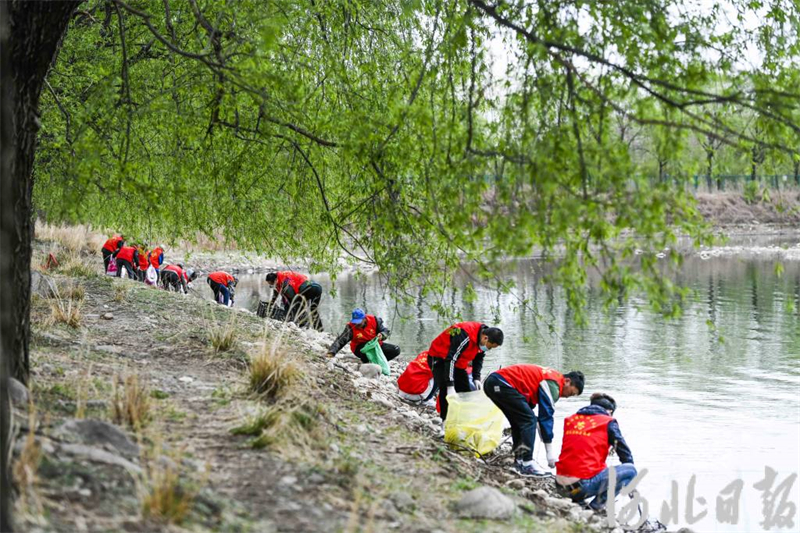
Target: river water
[{"x": 714, "y": 394}]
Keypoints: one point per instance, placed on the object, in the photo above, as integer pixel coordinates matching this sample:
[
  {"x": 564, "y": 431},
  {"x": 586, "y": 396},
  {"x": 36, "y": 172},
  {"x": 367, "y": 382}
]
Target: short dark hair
[
  {"x": 272, "y": 276},
  {"x": 495, "y": 335},
  {"x": 577, "y": 379},
  {"x": 603, "y": 400}
]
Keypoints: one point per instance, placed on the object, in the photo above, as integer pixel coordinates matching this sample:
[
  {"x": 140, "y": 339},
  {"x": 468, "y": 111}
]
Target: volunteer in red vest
[
  {"x": 589, "y": 434},
  {"x": 176, "y": 278},
  {"x": 144, "y": 261},
  {"x": 416, "y": 384},
  {"x": 361, "y": 329},
  {"x": 454, "y": 350},
  {"x": 300, "y": 297},
  {"x": 110, "y": 248},
  {"x": 516, "y": 390},
  {"x": 128, "y": 258},
  {"x": 222, "y": 283},
  {"x": 157, "y": 258}
]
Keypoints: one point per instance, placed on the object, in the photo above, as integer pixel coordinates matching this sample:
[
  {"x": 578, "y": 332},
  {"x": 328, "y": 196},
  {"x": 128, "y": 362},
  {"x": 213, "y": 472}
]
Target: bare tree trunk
[
  {"x": 30, "y": 34},
  {"x": 6, "y": 224},
  {"x": 709, "y": 169}
]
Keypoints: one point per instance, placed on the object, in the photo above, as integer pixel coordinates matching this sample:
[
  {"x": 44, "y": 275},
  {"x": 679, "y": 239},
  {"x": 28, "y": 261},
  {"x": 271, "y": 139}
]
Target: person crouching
[
  {"x": 174, "y": 277},
  {"x": 589, "y": 434},
  {"x": 128, "y": 258},
  {"x": 361, "y": 329}
]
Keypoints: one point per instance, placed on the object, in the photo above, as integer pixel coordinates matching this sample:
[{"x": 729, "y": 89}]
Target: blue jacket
[{"x": 615, "y": 437}]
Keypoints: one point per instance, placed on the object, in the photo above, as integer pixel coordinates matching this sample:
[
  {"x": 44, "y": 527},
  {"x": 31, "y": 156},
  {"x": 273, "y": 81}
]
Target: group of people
[
  {"x": 136, "y": 262},
  {"x": 453, "y": 364}
]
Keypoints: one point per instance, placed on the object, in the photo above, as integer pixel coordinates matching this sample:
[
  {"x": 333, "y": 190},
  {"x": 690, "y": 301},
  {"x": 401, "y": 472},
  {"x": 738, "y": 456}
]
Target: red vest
[
  {"x": 178, "y": 270},
  {"x": 417, "y": 375},
  {"x": 223, "y": 278},
  {"x": 440, "y": 346},
  {"x": 294, "y": 279},
  {"x": 143, "y": 262},
  {"x": 126, "y": 253},
  {"x": 585, "y": 446},
  {"x": 154, "y": 257},
  {"x": 365, "y": 334},
  {"x": 526, "y": 379},
  {"x": 112, "y": 243}
]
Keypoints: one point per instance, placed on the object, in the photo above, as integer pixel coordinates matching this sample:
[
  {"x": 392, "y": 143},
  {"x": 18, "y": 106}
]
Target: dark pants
[
  {"x": 106, "y": 259},
  {"x": 519, "y": 414},
  {"x": 171, "y": 280},
  {"x": 389, "y": 350},
  {"x": 122, "y": 263},
  {"x": 441, "y": 375},
  {"x": 303, "y": 308},
  {"x": 218, "y": 289}
]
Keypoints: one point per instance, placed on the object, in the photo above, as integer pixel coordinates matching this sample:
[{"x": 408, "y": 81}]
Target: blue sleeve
[
  {"x": 616, "y": 440},
  {"x": 546, "y": 410}
]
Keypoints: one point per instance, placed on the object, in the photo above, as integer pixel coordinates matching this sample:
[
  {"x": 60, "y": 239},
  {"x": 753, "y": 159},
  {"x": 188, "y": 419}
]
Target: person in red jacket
[
  {"x": 110, "y": 248},
  {"x": 416, "y": 384},
  {"x": 128, "y": 258},
  {"x": 222, "y": 284},
  {"x": 157, "y": 258},
  {"x": 454, "y": 350},
  {"x": 176, "y": 278},
  {"x": 300, "y": 297},
  {"x": 589, "y": 434},
  {"x": 361, "y": 329},
  {"x": 516, "y": 390},
  {"x": 144, "y": 261}
]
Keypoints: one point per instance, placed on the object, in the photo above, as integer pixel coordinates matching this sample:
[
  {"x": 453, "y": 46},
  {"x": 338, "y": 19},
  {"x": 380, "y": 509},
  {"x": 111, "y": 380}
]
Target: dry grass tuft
[
  {"x": 120, "y": 292},
  {"x": 223, "y": 337},
  {"x": 73, "y": 239},
  {"x": 131, "y": 403},
  {"x": 271, "y": 373},
  {"x": 65, "y": 311},
  {"x": 73, "y": 291},
  {"x": 164, "y": 498},
  {"x": 291, "y": 429}
]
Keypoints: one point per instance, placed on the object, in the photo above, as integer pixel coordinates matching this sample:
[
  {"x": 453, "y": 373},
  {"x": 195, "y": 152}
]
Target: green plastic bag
[{"x": 374, "y": 353}]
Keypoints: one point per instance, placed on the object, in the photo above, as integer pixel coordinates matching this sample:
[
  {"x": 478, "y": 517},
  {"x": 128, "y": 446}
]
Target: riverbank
[{"x": 144, "y": 417}]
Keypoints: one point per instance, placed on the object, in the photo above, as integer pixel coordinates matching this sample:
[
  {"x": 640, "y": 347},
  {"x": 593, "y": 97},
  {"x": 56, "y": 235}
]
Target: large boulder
[
  {"x": 98, "y": 433},
  {"x": 18, "y": 393},
  {"x": 42, "y": 285},
  {"x": 486, "y": 502}
]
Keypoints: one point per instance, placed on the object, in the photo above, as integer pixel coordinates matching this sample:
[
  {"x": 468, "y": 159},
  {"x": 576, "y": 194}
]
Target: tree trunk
[
  {"x": 709, "y": 169},
  {"x": 30, "y": 34}
]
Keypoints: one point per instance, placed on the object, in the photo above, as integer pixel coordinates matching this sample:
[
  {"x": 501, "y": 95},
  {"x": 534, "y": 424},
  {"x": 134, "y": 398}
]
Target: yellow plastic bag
[{"x": 474, "y": 422}]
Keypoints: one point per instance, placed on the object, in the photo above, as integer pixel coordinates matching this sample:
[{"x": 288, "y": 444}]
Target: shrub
[
  {"x": 163, "y": 497},
  {"x": 223, "y": 338},
  {"x": 292, "y": 429},
  {"x": 65, "y": 311},
  {"x": 131, "y": 405},
  {"x": 271, "y": 373}
]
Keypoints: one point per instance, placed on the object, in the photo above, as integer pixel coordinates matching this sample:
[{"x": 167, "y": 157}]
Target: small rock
[
  {"x": 403, "y": 501},
  {"x": 361, "y": 428},
  {"x": 185, "y": 379},
  {"x": 100, "y": 456},
  {"x": 108, "y": 316},
  {"x": 586, "y": 514},
  {"x": 558, "y": 503},
  {"x": 386, "y": 403},
  {"x": 485, "y": 502},
  {"x": 316, "y": 479},
  {"x": 334, "y": 448},
  {"x": 288, "y": 480},
  {"x": 370, "y": 371},
  {"x": 18, "y": 393},
  {"x": 42, "y": 285},
  {"x": 516, "y": 484},
  {"x": 85, "y": 492}
]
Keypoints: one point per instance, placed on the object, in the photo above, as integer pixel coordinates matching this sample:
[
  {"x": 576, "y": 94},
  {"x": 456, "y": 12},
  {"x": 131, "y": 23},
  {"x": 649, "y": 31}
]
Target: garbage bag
[
  {"x": 474, "y": 422},
  {"x": 151, "y": 276},
  {"x": 374, "y": 353},
  {"x": 112, "y": 268}
]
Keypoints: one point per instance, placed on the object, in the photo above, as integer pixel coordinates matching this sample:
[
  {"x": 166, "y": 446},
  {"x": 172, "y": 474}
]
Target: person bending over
[
  {"x": 174, "y": 277},
  {"x": 110, "y": 248},
  {"x": 300, "y": 297},
  {"x": 516, "y": 390},
  {"x": 361, "y": 329},
  {"x": 128, "y": 258},
  {"x": 222, "y": 284},
  {"x": 452, "y": 352}
]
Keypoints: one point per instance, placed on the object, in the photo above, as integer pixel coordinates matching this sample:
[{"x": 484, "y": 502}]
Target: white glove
[
  {"x": 478, "y": 384},
  {"x": 451, "y": 391},
  {"x": 551, "y": 460}
]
